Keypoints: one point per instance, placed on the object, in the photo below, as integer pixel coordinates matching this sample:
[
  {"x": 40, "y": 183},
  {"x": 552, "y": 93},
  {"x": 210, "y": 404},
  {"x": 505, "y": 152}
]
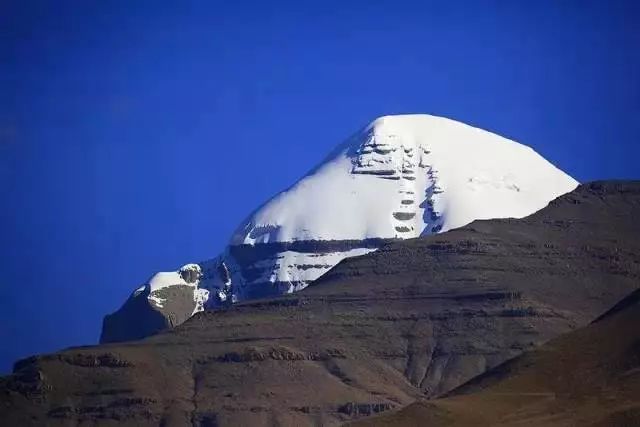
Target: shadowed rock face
[
  {"x": 137, "y": 318},
  {"x": 167, "y": 300},
  {"x": 416, "y": 318}
]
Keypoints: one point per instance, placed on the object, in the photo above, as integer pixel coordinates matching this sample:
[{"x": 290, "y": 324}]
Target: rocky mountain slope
[
  {"x": 415, "y": 319},
  {"x": 590, "y": 377},
  {"x": 400, "y": 177}
]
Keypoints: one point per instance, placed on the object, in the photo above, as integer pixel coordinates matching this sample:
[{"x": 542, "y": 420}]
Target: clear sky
[{"x": 134, "y": 138}]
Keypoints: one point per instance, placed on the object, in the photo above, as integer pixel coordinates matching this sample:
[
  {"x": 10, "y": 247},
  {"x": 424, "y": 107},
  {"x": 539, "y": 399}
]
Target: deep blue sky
[{"x": 135, "y": 138}]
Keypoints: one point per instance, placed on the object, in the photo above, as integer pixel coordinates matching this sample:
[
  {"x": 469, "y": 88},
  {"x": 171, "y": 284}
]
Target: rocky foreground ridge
[
  {"x": 589, "y": 377},
  {"x": 415, "y": 319}
]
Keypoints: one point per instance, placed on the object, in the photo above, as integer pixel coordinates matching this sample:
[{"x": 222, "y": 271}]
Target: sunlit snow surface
[
  {"x": 404, "y": 175},
  {"x": 400, "y": 177}
]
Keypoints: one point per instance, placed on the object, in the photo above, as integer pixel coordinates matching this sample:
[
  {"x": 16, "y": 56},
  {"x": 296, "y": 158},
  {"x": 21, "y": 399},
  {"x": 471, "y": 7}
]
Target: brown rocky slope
[
  {"x": 589, "y": 377},
  {"x": 415, "y": 319}
]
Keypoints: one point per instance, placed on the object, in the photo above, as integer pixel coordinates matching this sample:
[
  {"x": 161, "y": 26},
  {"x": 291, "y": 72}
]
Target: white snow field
[
  {"x": 400, "y": 177},
  {"x": 397, "y": 172}
]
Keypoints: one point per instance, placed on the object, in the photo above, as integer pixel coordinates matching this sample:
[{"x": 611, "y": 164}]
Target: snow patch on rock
[{"x": 187, "y": 275}]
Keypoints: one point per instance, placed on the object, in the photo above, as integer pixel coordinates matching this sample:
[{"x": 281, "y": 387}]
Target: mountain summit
[{"x": 399, "y": 177}]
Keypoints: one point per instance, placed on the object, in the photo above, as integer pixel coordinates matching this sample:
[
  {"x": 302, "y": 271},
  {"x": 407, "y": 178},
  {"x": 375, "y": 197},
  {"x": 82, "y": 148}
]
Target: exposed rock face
[
  {"x": 400, "y": 177},
  {"x": 416, "y": 318}
]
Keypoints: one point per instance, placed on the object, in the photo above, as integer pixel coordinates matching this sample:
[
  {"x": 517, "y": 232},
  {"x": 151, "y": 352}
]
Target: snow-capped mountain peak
[{"x": 399, "y": 177}]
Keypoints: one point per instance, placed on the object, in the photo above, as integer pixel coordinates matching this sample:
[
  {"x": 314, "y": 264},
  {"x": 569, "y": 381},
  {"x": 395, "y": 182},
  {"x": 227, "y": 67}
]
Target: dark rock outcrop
[{"x": 137, "y": 318}]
